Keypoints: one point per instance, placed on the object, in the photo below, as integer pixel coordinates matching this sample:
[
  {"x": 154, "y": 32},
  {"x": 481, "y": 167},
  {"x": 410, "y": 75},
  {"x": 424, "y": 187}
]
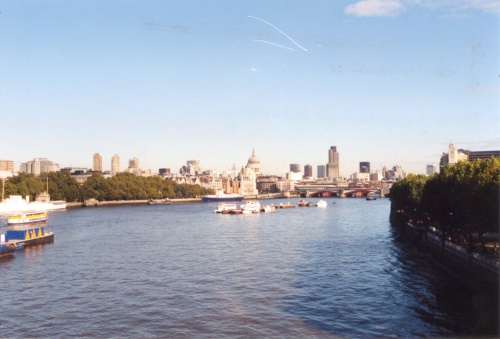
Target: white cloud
[{"x": 375, "y": 8}]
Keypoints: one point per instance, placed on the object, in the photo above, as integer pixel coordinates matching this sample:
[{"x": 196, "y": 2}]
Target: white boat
[
  {"x": 16, "y": 203},
  {"x": 321, "y": 203},
  {"x": 225, "y": 208},
  {"x": 26, "y": 218},
  {"x": 251, "y": 207},
  {"x": 221, "y": 197},
  {"x": 269, "y": 208}
]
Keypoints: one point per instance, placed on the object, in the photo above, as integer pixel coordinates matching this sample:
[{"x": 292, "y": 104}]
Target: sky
[{"x": 391, "y": 82}]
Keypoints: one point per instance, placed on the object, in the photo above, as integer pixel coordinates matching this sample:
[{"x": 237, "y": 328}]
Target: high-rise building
[
  {"x": 321, "y": 171},
  {"x": 332, "y": 168},
  {"x": 364, "y": 167},
  {"x": 7, "y": 165},
  {"x": 308, "y": 171},
  {"x": 295, "y": 168},
  {"x": 115, "y": 164},
  {"x": 431, "y": 169},
  {"x": 97, "y": 163},
  {"x": 133, "y": 163}
]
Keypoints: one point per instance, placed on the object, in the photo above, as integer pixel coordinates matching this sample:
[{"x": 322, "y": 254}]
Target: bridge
[{"x": 343, "y": 192}]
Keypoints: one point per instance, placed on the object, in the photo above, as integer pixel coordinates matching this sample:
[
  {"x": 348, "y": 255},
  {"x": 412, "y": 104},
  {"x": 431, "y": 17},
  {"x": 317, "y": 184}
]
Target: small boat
[
  {"x": 268, "y": 208},
  {"x": 302, "y": 203},
  {"x": 225, "y": 208},
  {"x": 167, "y": 201},
  {"x": 321, "y": 203},
  {"x": 151, "y": 202},
  {"x": 7, "y": 249},
  {"x": 251, "y": 207},
  {"x": 27, "y": 218},
  {"x": 371, "y": 198}
]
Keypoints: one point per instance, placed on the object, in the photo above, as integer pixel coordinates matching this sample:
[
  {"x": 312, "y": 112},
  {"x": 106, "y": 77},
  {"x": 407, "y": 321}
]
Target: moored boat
[
  {"x": 268, "y": 208},
  {"x": 371, "y": 198},
  {"x": 16, "y": 203},
  {"x": 321, "y": 203},
  {"x": 251, "y": 207},
  {"x": 7, "y": 249},
  {"x": 27, "y": 218},
  {"x": 302, "y": 203},
  {"x": 225, "y": 208}
]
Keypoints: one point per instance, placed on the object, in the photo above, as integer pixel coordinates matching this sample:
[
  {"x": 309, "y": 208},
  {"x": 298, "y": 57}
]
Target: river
[{"x": 182, "y": 270}]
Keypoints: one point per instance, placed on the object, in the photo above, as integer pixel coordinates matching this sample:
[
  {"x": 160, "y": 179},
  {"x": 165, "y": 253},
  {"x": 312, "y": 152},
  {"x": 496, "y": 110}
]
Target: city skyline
[{"x": 388, "y": 82}]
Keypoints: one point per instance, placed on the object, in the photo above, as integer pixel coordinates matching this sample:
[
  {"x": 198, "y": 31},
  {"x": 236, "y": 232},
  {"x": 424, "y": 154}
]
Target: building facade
[
  {"x": 7, "y": 166},
  {"x": 430, "y": 169},
  {"x": 321, "y": 171},
  {"x": 97, "y": 162},
  {"x": 308, "y": 171},
  {"x": 115, "y": 164},
  {"x": 38, "y": 166},
  {"x": 332, "y": 168},
  {"x": 295, "y": 168},
  {"x": 364, "y": 167}
]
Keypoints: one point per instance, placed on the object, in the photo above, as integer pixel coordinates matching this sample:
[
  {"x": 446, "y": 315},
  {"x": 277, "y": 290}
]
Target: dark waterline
[{"x": 182, "y": 270}]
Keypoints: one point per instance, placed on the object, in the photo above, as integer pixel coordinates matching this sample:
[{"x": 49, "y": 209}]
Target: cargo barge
[{"x": 27, "y": 237}]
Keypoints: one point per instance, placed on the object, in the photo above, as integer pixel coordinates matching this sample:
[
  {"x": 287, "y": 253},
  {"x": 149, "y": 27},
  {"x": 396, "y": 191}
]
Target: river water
[{"x": 182, "y": 270}]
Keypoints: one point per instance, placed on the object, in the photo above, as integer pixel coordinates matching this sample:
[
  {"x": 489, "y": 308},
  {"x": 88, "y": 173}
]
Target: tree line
[
  {"x": 122, "y": 186},
  {"x": 461, "y": 201}
]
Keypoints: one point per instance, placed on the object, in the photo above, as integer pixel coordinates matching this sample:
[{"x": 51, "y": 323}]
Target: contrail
[
  {"x": 279, "y": 30},
  {"x": 272, "y": 43}
]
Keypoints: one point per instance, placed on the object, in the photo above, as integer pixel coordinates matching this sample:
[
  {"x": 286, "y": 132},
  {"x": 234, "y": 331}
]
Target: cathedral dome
[{"x": 253, "y": 160}]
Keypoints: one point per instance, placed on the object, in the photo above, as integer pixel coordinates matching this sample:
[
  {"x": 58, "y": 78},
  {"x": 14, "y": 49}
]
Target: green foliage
[
  {"x": 123, "y": 186},
  {"x": 464, "y": 196}
]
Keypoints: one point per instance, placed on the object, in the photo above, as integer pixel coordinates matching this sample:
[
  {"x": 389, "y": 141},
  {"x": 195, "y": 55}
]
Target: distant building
[
  {"x": 321, "y": 171},
  {"x": 133, "y": 163},
  {"x": 453, "y": 156},
  {"x": 364, "y": 167},
  {"x": 97, "y": 162},
  {"x": 38, "y": 166},
  {"x": 474, "y": 155},
  {"x": 254, "y": 164},
  {"x": 115, "y": 164},
  {"x": 295, "y": 168},
  {"x": 430, "y": 169},
  {"x": 332, "y": 168},
  {"x": 164, "y": 171},
  {"x": 7, "y": 166},
  {"x": 308, "y": 171}
]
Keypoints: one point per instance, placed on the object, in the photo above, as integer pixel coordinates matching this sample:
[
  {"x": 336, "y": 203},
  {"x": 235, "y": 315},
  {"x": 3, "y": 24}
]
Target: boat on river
[
  {"x": 371, "y": 197},
  {"x": 250, "y": 207},
  {"x": 321, "y": 203},
  {"x": 26, "y": 218},
  {"x": 7, "y": 249},
  {"x": 16, "y": 203},
  {"x": 225, "y": 208}
]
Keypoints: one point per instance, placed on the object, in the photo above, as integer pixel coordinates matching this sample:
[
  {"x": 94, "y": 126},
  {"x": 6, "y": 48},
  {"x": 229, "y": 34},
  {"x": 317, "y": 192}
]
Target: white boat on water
[
  {"x": 269, "y": 208},
  {"x": 16, "y": 203},
  {"x": 251, "y": 207},
  {"x": 26, "y": 218},
  {"x": 321, "y": 203},
  {"x": 225, "y": 208}
]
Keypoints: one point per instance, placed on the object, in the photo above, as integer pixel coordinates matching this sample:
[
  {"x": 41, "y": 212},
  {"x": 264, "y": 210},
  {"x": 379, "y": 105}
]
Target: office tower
[
  {"x": 321, "y": 171},
  {"x": 431, "y": 169},
  {"x": 308, "y": 171},
  {"x": 364, "y": 167},
  {"x": 332, "y": 168},
  {"x": 97, "y": 163},
  {"x": 133, "y": 163},
  {"x": 295, "y": 168},
  {"x": 115, "y": 164},
  {"x": 7, "y": 165}
]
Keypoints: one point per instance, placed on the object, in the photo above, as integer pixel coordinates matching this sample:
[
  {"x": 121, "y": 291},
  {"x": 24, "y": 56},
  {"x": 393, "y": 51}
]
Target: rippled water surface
[{"x": 182, "y": 270}]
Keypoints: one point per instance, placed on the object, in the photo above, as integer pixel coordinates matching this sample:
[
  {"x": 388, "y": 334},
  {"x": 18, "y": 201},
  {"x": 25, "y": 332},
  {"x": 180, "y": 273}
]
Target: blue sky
[{"x": 386, "y": 81}]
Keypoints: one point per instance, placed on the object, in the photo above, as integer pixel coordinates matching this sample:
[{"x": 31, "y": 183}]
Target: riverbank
[
  {"x": 480, "y": 272},
  {"x": 96, "y": 203}
]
